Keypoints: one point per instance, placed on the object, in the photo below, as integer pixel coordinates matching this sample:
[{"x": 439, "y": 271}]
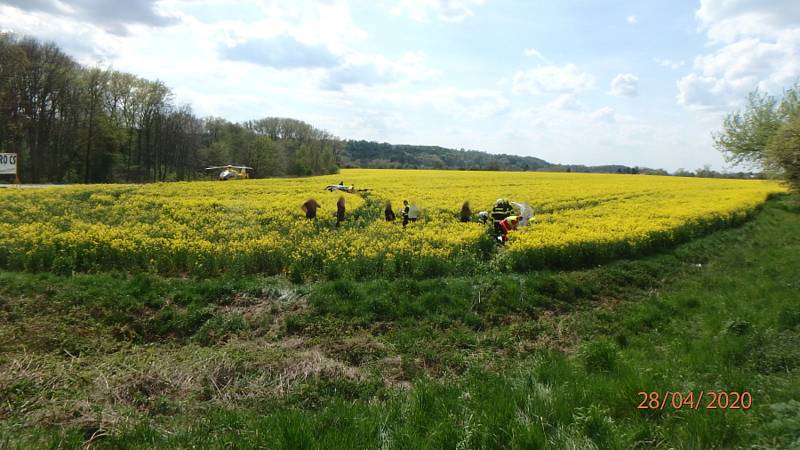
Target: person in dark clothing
[
  {"x": 389, "y": 213},
  {"x": 466, "y": 213},
  {"x": 502, "y": 209},
  {"x": 310, "y": 208},
  {"x": 340, "y": 211},
  {"x": 406, "y": 209}
]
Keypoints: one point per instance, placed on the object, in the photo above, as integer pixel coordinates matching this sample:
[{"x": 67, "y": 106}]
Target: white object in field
[
  {"x": 231, "y": 172},
  {"x": 413, "y": 212},
  {"x": 525, "y": 213},
  {"x": 339, "y": 187},
  {"x": 8, "y": 163}
]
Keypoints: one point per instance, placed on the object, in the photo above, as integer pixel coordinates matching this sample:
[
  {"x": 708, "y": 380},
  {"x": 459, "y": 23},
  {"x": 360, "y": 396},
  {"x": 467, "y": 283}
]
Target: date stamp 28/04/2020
[{"x": 695, "y": 400}]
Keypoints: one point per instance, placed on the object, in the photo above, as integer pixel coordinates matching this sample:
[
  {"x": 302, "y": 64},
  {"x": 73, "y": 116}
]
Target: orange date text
[{"x": 695, "y": 400}]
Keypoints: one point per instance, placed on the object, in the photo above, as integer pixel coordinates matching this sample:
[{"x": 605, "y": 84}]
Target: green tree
[
  {"x": 783, "y": 151},
  {"x": 71, "y": 123},
  {"x": 765, "y": 134}
]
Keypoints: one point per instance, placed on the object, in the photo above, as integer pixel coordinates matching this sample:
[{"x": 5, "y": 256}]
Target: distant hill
[
  {"x": 610, "y": 168},
  {"x": 382, "y": 155},
  {"x": 389, "y": 156}
]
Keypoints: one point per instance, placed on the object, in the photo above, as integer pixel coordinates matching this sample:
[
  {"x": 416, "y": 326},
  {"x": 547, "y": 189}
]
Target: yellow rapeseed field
[{"x": 258, "y": 226}]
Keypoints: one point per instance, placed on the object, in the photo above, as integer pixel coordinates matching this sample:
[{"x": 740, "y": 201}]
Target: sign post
[{"x": 8, "y": 165}]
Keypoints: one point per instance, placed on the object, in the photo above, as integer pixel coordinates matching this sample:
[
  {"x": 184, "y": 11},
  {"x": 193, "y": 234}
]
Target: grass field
[{"x": 460, "y": 356}]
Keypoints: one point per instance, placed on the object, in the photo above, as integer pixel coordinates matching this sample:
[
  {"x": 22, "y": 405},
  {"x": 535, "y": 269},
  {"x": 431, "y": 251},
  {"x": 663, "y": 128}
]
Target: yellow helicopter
[{"x": 231, "y": 172}]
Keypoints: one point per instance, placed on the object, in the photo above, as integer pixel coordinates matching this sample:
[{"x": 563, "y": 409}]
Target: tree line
[
  {"x": 70, "y": 123},
  {"x": 382, "y": 155},
  {"x": 765, "y": 135}
]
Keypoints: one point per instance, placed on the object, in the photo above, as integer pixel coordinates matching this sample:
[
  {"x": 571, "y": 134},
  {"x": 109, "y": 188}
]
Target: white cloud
[
  {"x": 86, "y": 42},
  {"x": 455, "y": 103},
  {"x": 699, "y": 92},
  {"x": 113, "y": 17},
  {"x": 356, "y": 74},
  {"x": 669, "y": 63},
  {"x": 374, "y": 124},
  {"x": 566, "y": 102},
  {"x": 300, "y": 50},
  {"x": 605, "y": 137},
  {"x": 552, "y": 78},
  {"x": 625, "y": 84},
  {"x": 756, "y": 45},
  {"x": 726, "y": 21},
  {"x": 631, "y": 19},
  {"x": 532, "y": 52},
  {"x": 468, "y": 104},
  {"x": 327, "y": 24},
  {"x": 367, "y": 70},
  {"x": 444, "y": 10},
  {"x": 605, "y": 114},
  {"x": 281, "y": 52}
]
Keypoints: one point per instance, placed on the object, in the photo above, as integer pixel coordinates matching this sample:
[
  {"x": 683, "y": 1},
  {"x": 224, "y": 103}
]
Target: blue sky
[{"x": 587, "y": 82}]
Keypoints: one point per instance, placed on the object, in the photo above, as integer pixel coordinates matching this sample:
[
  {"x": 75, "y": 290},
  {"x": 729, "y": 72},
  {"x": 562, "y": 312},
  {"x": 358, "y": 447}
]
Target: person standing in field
[
  {"x": 410, "y": 213},
  {"x": 310, "y": 208},
  {"x": 466, "y": 213},
  {"x": 340, "y": 211},
  {"x": 389, "y": 213}
]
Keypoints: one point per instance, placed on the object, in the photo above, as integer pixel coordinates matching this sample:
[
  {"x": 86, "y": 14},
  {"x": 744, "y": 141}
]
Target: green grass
[{"x": 548, "y": 359}]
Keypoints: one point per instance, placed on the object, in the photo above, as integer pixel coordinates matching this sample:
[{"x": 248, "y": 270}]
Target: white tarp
[
  {"x": 525, "y": 213},
  {"x": 8, "y": 163},
  {"x": 413, "y": 211}
]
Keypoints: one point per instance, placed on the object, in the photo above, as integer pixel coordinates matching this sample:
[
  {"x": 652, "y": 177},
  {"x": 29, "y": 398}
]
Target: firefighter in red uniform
[{"x": 506, "y": 225}]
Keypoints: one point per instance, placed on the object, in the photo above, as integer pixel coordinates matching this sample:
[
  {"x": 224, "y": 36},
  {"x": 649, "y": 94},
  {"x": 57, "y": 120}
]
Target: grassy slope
[{"x": 542, "y": 359}]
